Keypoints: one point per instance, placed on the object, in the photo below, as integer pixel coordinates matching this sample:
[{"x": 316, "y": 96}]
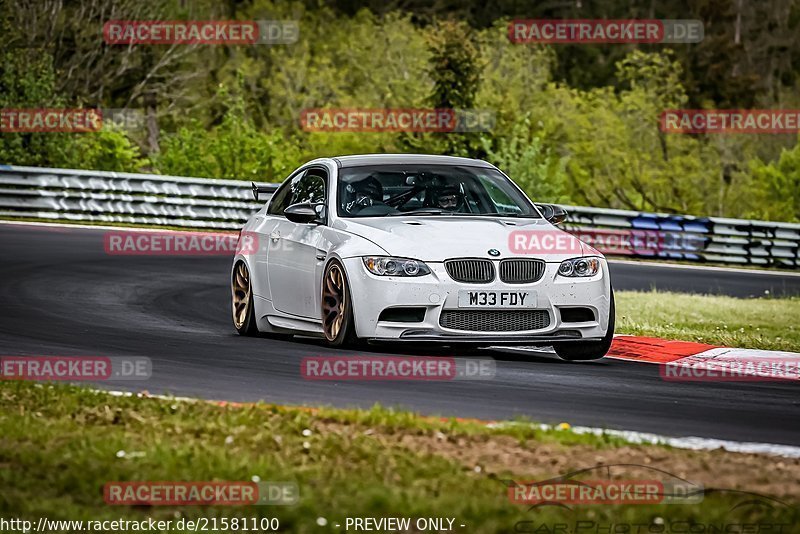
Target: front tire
[
  {"x": 244, "y": 316},
  {"x": 337, "y": 307},
  {"x": 593, "y": 350}
]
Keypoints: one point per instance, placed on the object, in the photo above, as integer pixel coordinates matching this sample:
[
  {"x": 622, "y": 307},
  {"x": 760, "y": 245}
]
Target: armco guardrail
[
  {"x": 701, "y": 239},
  {"x": 96, "y": 196},
  {"x": 146, "y": 199}
]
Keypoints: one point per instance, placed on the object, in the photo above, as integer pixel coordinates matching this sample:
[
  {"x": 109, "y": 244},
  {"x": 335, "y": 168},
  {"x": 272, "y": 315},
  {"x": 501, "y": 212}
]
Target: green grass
[
  {"x": 60, "y": 444},
  {"x": 760, "y": 323}
]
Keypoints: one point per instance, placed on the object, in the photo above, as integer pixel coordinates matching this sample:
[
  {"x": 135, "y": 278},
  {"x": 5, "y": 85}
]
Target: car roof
[{"x": 399, "y": 159}]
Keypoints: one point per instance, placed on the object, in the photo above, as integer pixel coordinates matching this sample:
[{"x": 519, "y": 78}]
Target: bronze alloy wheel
[
  {"x": 334, "y": 301},
  {"x": 241, "y": 295}
]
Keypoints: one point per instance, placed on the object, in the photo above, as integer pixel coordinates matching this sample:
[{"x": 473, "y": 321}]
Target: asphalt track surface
[{"x": 61, "y": 294}]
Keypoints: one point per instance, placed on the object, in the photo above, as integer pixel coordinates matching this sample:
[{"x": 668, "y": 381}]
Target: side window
[
  {"x": 305, "y": 187},
  {"x": 282, "y": 198},
  {"x": 310, "y": 188}
]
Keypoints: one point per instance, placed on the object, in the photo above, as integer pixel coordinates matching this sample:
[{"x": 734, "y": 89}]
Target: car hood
[{"x": 435, "y": 239}]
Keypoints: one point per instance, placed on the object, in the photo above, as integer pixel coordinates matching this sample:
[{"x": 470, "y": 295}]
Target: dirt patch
[{"x": 500, "y": 456}]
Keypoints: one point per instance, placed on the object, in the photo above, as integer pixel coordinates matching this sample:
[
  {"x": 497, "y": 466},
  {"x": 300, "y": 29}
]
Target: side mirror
[
  {"x": 302, "y": 213},
  {"x": 553, "y": 213}
]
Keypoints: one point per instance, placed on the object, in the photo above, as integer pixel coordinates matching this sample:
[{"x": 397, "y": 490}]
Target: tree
[
  {"x": 532, "y": 165},
  {"x": 234, "y": 149},
  {"x": 454, "y": 67},
  {"x": 777, "y": 185}
]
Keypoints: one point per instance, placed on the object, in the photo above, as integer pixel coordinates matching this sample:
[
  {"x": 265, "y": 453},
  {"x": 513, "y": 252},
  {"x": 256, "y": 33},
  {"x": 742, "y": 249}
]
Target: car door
[
  {"x": 294, "y": 255},
  {"x": 261, "y": 229}
]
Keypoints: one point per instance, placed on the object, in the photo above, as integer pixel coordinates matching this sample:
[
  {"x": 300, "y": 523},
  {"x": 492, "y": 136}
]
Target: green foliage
[
  {"x": 535, "y": 168},
  {"x": 353, "y": 62},
  {"x": 657, "y": 75},
  {"x": 778, "y": 185},
  {"x": 27, "y": 80},
  {"x": 616, "y": 154},
  {"x": 234, "y": 149},
  {"x": 454, "y": 67},
  {"x": 513, "y": 76},
  {"x": 109, "y": 149},
  {"x": 234, "y": 112}
]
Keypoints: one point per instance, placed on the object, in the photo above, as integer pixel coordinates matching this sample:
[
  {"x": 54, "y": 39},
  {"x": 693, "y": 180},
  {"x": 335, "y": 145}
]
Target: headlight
[
  {"x": 579, "y": 267},
  {"x": 387, "y": 266}
]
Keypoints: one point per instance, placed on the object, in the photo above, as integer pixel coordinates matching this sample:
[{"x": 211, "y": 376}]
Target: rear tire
[
  {"x": 592, "y": 350},
  {"x": 244, "y": 315},
  {"x": 338, "y": 324}
]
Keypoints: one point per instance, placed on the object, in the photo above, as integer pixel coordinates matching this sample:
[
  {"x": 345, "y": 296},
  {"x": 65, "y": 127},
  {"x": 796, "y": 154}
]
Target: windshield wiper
[
  {"x": 423, "y": 211},
  {"x": 516, "y": 215}
]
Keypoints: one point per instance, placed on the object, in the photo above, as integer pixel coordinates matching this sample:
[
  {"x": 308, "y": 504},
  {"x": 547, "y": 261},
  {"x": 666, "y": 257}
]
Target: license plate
[{"x": 496, "y": 299}]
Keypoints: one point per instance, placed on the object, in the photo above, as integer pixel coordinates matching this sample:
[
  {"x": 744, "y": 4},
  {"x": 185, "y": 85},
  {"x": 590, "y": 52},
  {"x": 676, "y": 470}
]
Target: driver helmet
[
  {"x": 448, "y": 198},
  {"x": 363, "y": 193}
]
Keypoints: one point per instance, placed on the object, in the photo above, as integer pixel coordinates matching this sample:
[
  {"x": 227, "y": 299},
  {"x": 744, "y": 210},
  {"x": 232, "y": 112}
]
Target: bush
[
  {"x": 531, "y": 164},
  {"x": 109, "y": 149},
  {"x": 235, "y": 149},
  {"x": 777, "y": 185}
]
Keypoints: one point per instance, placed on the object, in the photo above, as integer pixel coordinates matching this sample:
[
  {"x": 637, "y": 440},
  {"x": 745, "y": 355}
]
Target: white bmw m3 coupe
[{"x": 418, "y": 248}]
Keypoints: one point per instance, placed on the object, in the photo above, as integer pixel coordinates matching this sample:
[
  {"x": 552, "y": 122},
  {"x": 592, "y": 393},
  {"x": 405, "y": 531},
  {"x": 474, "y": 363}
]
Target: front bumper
[{"x": 437, "y": 292}]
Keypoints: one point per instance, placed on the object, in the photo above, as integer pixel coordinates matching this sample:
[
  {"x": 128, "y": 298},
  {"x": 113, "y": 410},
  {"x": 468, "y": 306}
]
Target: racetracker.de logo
[
  {"x": 426, "y": 368},
  {"x": 396, "y": 120},
  {"x": 543, "y": 242},
  {"x": 639, "y": 242},
  {"x": 598, "y": 31},
  {"x": 728, "y": 365},
  {"x": 77, "y": 120},
  {"x": 75, "y": 368},
  {"x": 178, "y": 493},
  {"x": 168, "y": 243},
  {"x": 696, "y": 121},
  {"x": 212, "y": 32}
]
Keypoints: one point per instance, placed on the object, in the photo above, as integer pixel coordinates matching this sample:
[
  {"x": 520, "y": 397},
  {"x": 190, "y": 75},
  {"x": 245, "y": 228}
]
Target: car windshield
[{"x": 396, "y": 190}]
